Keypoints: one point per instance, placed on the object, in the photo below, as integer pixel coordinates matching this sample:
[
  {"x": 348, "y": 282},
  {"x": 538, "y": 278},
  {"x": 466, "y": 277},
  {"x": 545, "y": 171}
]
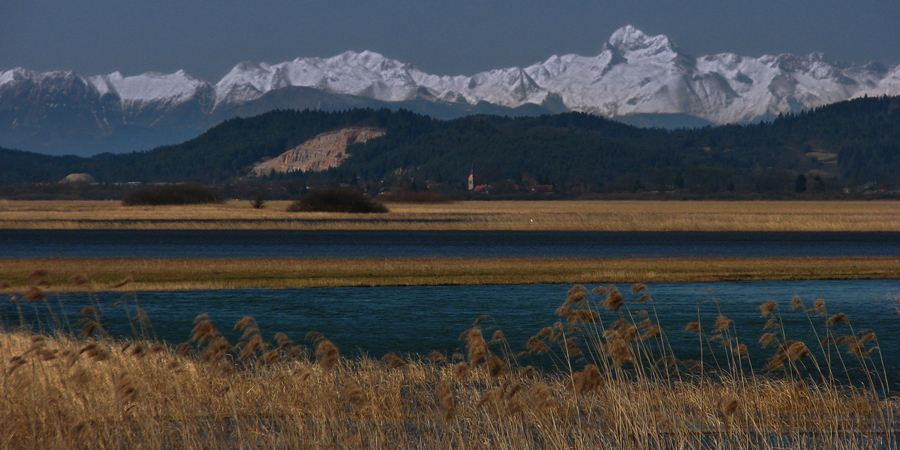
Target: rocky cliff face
[{"x": 322, "y": 152}]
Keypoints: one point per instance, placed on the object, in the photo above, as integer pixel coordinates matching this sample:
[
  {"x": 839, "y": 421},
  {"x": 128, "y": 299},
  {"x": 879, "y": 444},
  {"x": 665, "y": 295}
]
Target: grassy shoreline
[
  {"x": 469, "y": 215},
  {"x": 280, "y": 273},
  {"x": 617, "y": 383}
]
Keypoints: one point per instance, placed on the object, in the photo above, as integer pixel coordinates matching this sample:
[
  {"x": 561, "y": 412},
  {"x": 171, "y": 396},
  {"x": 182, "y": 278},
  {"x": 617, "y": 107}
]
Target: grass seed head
[
  {"x": 244, "y": 323},
  {"x": 394, "y": 361},
  {"x": 535, "y": 345},
  {"x": 613, "y": 301},
  {"x": 283, "y": 340},
  {"x": 313, "y": 336},
  {"x": 619, "y": 351},
  {"x": 723, "y": 323},
  {"x": 480, "y": 319},
  {"x": 478, "y": 350},
  {"x": 437, "y": 357},
  {"x": 794, "y": 350},
  {"x": 87, "y": 329},
  {"x": 461, "y": 371},
  {"x": 768, "y": 339},
  {"x": 216, "y": 350},
  {"x": 204, "y": 331},
  {"x": 271, "y": 357},
  {"x": 495, "y": 366},
  {"x": 577, "y": 289},
  {"x": 327, "y": 353},
  {"x": 819, "y": 305},
  {"x": 692, "y": 327},
  {"x": 184, "y": 349},
  {"x": 651, "y": 332},
  {"x": 836, "y": 319},
  {"x": 768, "y": 308},
  {"x": 576, "y": 298},
  {"x": 868, "y": 337},
  {"x": 588, "y": 380}
]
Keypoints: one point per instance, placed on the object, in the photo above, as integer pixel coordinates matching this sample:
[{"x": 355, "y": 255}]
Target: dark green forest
[{"x": 843, "y": 147}]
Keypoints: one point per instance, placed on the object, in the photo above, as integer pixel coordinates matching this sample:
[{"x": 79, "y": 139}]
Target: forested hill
[{"x": 848, "y": 143}]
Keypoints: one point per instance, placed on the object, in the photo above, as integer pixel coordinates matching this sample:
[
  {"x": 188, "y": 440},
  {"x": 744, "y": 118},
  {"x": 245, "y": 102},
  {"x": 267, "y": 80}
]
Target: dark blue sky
[{"x": 208, "y": 37}]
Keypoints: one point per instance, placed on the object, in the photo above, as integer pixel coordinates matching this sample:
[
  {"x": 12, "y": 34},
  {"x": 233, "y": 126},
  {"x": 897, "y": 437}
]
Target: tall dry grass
[{"x": 609, "y": 379}]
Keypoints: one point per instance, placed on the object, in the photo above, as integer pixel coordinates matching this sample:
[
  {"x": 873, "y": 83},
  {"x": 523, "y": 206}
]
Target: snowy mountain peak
[
  {"x": 22, "y": 74},
  {"x": 150, "y": 86},
  {"x": 627, "y": 36},
  {"x": 631, "y": 42}
]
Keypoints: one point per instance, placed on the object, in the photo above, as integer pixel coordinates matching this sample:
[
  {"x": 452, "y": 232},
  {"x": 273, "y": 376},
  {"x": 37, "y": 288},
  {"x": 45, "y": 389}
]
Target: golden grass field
[
  {"x": 618, "y": 385},
  {"x": 471, "y": 215},
  {"x": 277, "y": 273}
]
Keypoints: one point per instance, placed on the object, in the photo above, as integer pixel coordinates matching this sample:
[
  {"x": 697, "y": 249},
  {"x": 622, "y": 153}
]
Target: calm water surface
[
  {"x": 420, "y": 319},
  {"x": 387, "y": 244}
]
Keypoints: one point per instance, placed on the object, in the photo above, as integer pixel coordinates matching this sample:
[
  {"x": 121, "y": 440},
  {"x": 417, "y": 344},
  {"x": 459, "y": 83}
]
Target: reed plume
[
  {"x": 327, "y": 353},
  {"x": 477, "y": 347}
]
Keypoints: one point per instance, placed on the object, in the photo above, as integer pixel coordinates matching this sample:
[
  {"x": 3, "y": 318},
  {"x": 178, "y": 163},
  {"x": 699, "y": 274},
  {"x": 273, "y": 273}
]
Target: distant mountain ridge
[{"x": 633, "y": 78}]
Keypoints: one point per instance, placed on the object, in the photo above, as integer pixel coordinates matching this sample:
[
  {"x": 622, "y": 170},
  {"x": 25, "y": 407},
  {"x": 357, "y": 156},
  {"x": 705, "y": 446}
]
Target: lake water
[
  {"x": 392, "y": 244},
  {"x": 378, "y": 320},
  {"x": 418, "y": 320}
]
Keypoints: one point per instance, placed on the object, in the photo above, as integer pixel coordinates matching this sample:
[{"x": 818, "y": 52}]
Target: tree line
[{"x": 843, "y": 145}]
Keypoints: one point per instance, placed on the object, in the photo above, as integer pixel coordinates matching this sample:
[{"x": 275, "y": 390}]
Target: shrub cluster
[
  {"x": 336, "y": 200},
  {"x": 172, "y": 194}
]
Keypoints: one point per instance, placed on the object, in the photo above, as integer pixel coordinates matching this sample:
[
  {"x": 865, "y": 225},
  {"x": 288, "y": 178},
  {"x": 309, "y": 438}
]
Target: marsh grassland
[
  {"x": 493, "y": 215},
  {"x": 278, "y": 273},
  {"x": 604, "y": 374},
  {"x": 608, "y": 379}
]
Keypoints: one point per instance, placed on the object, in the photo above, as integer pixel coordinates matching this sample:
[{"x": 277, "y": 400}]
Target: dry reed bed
[
  {"x": 618, "y": 387},
  {"x": 177, "y": 274},
  {"x": 500, "y": 215}
]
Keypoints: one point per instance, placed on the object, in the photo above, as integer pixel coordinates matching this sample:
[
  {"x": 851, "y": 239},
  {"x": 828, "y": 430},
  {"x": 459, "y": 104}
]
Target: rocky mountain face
[
  {"x": 635, "y": 77},
  {"x": 322, "y": 152}
]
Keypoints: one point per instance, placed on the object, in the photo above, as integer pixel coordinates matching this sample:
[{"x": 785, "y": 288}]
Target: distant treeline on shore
[{"x": 848, "y": 149}]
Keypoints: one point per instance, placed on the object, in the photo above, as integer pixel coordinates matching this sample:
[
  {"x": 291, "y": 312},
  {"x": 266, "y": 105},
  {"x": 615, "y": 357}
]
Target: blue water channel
[
  {"x": 378, "y": 320},
  {"x": 448, "y": 244}
]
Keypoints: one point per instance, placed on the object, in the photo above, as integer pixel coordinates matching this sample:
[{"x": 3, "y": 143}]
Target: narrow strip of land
[
  {"x": 16, "y": 275},
  {"x": 579, "y": 215}
]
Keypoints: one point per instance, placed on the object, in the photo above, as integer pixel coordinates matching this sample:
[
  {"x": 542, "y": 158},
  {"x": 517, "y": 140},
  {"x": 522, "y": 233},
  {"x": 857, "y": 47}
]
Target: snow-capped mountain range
[{"x": 633, "y": 74}]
